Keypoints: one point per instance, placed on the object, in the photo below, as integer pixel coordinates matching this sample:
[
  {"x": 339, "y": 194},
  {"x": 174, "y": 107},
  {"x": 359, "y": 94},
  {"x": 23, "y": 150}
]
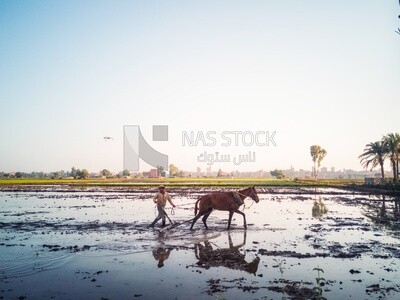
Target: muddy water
[{"x": 300, "y": 243}]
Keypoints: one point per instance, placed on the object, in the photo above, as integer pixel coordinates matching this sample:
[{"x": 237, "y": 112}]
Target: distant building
[
  {"x": 153, "y": 173},
  {"x": 208, "y": 172}
]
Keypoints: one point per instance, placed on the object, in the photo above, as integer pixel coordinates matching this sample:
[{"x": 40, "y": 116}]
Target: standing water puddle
[{"x": 299, "y": 244}]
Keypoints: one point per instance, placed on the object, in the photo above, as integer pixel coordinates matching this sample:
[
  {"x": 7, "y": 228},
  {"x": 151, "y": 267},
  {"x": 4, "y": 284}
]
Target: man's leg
[
  {"x": 154, "y": 222},
  {"x": 160, "y": 214}
]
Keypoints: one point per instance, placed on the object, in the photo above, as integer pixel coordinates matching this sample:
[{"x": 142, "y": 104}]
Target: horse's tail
[{"x": 196, "y": 206}]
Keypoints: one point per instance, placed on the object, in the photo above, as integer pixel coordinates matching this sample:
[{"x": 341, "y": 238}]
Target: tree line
[
  {"x": 375, "y": 154},
  {"x": 74, "y": 173}
]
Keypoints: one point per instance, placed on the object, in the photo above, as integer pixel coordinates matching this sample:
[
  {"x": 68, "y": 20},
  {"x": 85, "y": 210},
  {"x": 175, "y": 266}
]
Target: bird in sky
[{"x": 108, "y": 138}]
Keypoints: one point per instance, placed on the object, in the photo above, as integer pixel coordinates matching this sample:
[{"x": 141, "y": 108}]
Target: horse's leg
[
  {"x": 244, "y": 217},
  {"x": 199, "y": 215},
  {"x": 230, "y": 219},
  {"x": 206, "y": 216},
  {"x": 194, "y": 220}
]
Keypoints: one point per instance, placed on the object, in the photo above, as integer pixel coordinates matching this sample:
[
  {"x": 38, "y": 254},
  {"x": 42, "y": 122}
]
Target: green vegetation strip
[{"x": 184, "y": 182}]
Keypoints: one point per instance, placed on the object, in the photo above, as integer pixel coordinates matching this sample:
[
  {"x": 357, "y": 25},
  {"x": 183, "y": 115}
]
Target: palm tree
[
  {"x": 317, "y": 154},
  {"x": 392, "y": 145},
  {"x": 374, "y": 154}
]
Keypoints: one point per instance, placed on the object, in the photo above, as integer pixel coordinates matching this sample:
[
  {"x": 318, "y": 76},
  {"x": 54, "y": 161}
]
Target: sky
[{"x": 305, "y": 72}]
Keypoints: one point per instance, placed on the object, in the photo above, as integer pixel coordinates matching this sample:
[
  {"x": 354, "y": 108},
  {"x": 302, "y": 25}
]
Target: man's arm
[
  {"x": 155, "y": 199},
  {"x": 170, "y": 201}
]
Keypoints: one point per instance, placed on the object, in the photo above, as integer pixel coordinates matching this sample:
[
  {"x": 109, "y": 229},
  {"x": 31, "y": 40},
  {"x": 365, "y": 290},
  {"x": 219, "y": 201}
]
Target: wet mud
[{"x": 301, "y": 243}]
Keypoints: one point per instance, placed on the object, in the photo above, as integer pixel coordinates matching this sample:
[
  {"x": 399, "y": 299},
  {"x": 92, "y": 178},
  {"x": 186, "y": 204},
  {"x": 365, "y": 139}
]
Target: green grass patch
[{"x": 184, "y": 182}]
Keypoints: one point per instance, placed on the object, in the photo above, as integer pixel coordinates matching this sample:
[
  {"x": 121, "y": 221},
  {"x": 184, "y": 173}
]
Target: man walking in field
[{"x": 161, "y": 199}]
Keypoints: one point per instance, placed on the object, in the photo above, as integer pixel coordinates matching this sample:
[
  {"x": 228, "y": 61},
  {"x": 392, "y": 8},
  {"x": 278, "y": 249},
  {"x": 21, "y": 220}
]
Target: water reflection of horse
[
  {"x": 230, "y": 258},
  {"x": 227, "y": 201}
]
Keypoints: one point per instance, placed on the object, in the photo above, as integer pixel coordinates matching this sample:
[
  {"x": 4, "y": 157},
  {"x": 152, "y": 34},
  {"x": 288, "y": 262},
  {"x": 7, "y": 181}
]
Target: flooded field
[{"x": 60, "y": 243}]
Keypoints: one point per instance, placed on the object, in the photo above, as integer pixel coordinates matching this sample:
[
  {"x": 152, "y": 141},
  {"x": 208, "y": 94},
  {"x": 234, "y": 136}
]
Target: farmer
[{"x": 161, "y": 200}]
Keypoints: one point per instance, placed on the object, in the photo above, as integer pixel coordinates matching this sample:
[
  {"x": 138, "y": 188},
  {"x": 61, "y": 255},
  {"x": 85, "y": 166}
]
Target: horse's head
[{"x": 253, "y": 194}]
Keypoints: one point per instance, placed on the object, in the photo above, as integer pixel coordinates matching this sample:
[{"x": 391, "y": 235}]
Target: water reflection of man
[
  {"x": 319, "y": 208},
  {"x": 161, "y": 199},
  {"x": 161, "y": 254}
]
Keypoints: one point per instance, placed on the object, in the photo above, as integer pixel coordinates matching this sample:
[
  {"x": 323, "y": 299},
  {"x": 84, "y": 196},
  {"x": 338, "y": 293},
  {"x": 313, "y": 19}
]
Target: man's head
[
  {"x": 160, "y": 263},
  {"x": 161, "y": 188}
]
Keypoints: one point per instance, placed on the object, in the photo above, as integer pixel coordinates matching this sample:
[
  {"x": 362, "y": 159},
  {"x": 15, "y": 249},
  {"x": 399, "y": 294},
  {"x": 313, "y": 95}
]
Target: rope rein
[
  {"x": 185, "y": 204},
  {"x": 245, "y": 196}
]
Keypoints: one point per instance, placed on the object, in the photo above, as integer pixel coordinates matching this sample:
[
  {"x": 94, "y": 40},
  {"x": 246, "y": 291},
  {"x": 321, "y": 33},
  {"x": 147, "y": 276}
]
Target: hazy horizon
[{"x": 313, "y": 72}]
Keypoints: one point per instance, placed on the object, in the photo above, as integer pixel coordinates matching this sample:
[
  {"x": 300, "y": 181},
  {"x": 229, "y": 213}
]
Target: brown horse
[{"x": 228, "y": 201}]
